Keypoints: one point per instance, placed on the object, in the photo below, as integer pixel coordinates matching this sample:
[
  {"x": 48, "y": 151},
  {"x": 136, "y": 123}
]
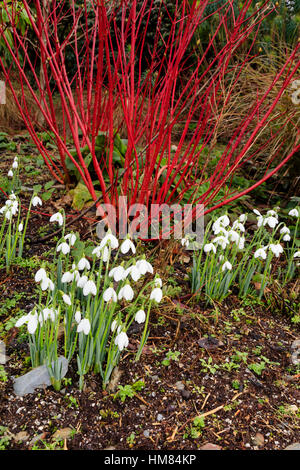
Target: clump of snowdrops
[
  {"x": 232, "y": 256},
  {"x": 91, "y": 303},
  {"x": 13, "y": 227}
]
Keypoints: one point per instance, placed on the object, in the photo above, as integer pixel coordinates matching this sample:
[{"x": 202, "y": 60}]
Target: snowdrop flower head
[
  {"x": 57, "y": 217},
  {"x": 111, "y": 240},
  {"x": 83, "y": 263},
  {"x": 20, "y": 228},
  {"x": 32, "y": 324},
  {"x": 81, "y": 281},
  {"x": 15, "y": 165},
  {"x": 40, "y": 275},
  {"x": 185, "y": 242},
  {"x": 89, "y": 288},
  {"x": 67, "y": 299},
  {"x": 117, "y": 273},
  {"x": 134, "y": 272},
  {"x": 77, "y": 316},
  {"x": 140, "y": 316},
  {"x": 284, "y": 230},
  {"x": 271, "y": 221},
  {"x": 222, "y": 241},
  {"x": 209, "y": 247},
  {"x": 97, "y": 251},
  {"x": 294, "y": 212},
  {"x": 144, "y": 267},
  {"x": 222, "y": 221},
  {"x": 10, "y": 174},
  {"x": 126, "y": 293},
  {"x": 156, "y": 294},
  {"x": 242, "y": 218},
  {"x": 286, "y": 237},
  {"x": 297, "y": 254},
  {"x": 64, "y": 247},
  {"x": 227, "y": 266},
  {"x": 127, "y": 245},
  {"x": 71, "y": 237},
  {"x": 114, "y": 325},
  {"x": 110, "y": 294},
  {"x": 158, "y": 282},
  {"x": 122, "y": 340},
  {"x": 67, "y": 277},
  {"x": 238, "y": 226},
  {"x": 84, "y": 326},
  {"x": 260, "y": 253},
  {"x": 36, "y": 201},
  {"x": 276, "y": 248}
]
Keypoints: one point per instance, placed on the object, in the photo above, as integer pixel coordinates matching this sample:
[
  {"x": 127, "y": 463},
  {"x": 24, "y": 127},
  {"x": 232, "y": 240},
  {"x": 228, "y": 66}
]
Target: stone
[
  {"x": 159, "y": 417},
  {"x": 146, "y": 433},
  {"x": 210, "y": 446},
  {"x": 37, "y": 378},
  {"x": 21, "y": 436},
  {"x": 62, "y": 434},
  {"x": 179, "y": 386},
  {"x": 259, "y": 440},
  {"x": 295, "y": 446},
  {"x": 185, "y": 394}
]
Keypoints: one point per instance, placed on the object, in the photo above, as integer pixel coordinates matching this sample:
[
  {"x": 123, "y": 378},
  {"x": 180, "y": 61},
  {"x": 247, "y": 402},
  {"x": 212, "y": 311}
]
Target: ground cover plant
[{"x": 148, "y": 344}]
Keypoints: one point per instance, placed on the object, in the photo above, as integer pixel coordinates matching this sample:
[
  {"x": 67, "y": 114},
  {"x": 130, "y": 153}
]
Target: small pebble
[
  {"x": 159, "y": 417},
  {"x": 146, "y": 433}
]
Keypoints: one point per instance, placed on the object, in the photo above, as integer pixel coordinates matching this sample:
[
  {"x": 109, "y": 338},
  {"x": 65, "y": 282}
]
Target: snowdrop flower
[
  {"x": 67, "y": 277},
  {"x": 111, "y": 239},
  {"x": 234, "y": 236},
  {"x": 158, "y": 282},
  {"x": 294, "y": 213},
  {"x": 21, "y": 321},
  {"x": 221, "y": 230},
  {"x": 36, "y": 201},
  {"x": 47, "y": 284},
  {"x": 242, "y": 218},
  {"x": 127, "y": 245},
  {"x": 83, "y": 264},
  {"x": 81, "y": 281},
  {"x": 105, "y": 254},
  {"x": 77, "y": 316},
  {"x": 140, "y": 316},
  {"x": 57, "y": 218},
  {"x": 97, "y": 251},
  {"x": 227, "y": 266},
  {"x": 32, "y": 324},
  {"x": 271, "y": 221},
  {"x": 64, "y": 248},
  {"x": 117, "y": 273},
  {"x": 297, "y": 254},
  {"x": 110, "y": 294},
  {"x": 185, "y": 242},
  {"x": 222, "y": 221},
  {"x": 15, "y": 164},
  {"x": 238, "y": 225},
  {"x": 156, "y": 294},
  {"x": 222, "y": 241},
  {"x": 113, "y": 325},
  {"x": 126, "y": 293},
  {"x": 134, "y": 272},
  {"x": 40, "y": 275},
  {"x": 284, "y": 230},
  {"x": 10, "y": 174},
  {"x": 286, "y": 237},
  {"x": 72, "y": 238},
  {"x": 122, "y": 340},
  {"x": 20, "y": 228},
  {"x": 66, "y": 299},
  {"x": 144, "y": 267},
  {"x": 84, "y": 326},
  {"x": 260, "y": 253},
  {"x": 257, "y": 212},
  {"x": 89, "y": 288},
  {"x": 276, "y": 249},
  {"x": 49, "y": 313},
  {"x": 209, "y": 247},
  {"x": 241, "y": 243}
]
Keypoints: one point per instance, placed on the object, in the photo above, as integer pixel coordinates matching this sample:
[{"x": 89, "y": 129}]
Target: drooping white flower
[
  {"x": 238, "y": 226},
  {"x": 40, "y": 275},
  {"x": 234, "y": 236},
  {"x": 57, "y": 217},
  {"x": 227, "y": 266},
  {"x": 10, "y": 174},
  {"x": 83, "y": 263},
  {"x": 222, "y": 241},
  {"x": 72, "y": 238},
  {"x": 241, "y": 243},
  {"x": 89, "y": 288},
  {"x": 64, "y": 248},
  {"x": 276, "y": 248},
  {"x": 222, "y": 221},
  {"x": 110, "y": 294},
  {"x": 126, "y": 293},
  {"x": 127, "y": 245},
  {"x": 271, "y": 221},
  {"x": 67, "y": 277},
  {"x": 294, "y": 212},
  {"x": 113, "y": 325},
  {"x": 185, "y": 242},
  {"x": 140, "y": 316},
  {"x": 260, "y": 253},
  {"x": 117, "y": 273},
  {"x": 15, "y": 165},
  {"x": 156, "y": 294},
  {"x": 109, "y": 239},
  {"x": 242, "y": 218},
  {"x": 81, "y": 281},
  {"x": 77, "y": 316},
  {"x": 20, "y": 228},
  {"x": 21, "y": 321},
  {"x": 134, "y": 272},
  {"x": 297, "y": 254},
  {"x": 84, "y": 326},
  {"x": 36, "y": 201},
  {"x": 209, "y": 247},
  {"x": 286, "y": 237},
  {"x": 257, "y": 212},
  {"x": 272, "y": 213},
  {"x": 97, "y": 251},
  {"x": 105, "y": 254},
  {"x": 144, "y": 267},
  {"x": 32, "y": 324},
  {"x": 284, "y": 230},
  {"x": 67, "y": 299},
  {"x": 122, "y": 340},
  {"x": 158, "y": 282}
]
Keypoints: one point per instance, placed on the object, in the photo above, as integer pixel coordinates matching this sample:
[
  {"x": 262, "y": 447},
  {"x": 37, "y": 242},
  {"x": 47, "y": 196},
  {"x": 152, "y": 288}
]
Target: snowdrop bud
[
  {"x": 260, "y": 253},
  {"x": 110, "y": 294},
  {"x": 156, "y": 294},
  {"x": 83, "y": 264},
  {"x": 89, "y": 288},
  {"x": 77, "y": 316},
  {"x": 286, "y": 237},
  {"x": 209, "y": 247},
  {"x": 67, "y": 277},
  {"x": 84, "y": 326},
  {"x": 185, "y": 242},
  {"x": 15, "y": 165},
  {"x": 10, "y": 174},
  {"x": 20, "y": 228},
  {"x": 297, "y": 254},
  {"x": 122, "y": 340},
  {"x": 158, "y": 282},
  {"x": 140, "y": 316},
  {"x": 294, "y": 213},
  {"x": 127, "y": 245},
  {"x": 57, "y": 217},
  {"x": 66, "y": 299},
  {"x": 32, "y": 324},
  {"x": 64, "y": 248},
  {"x": 113, "y": 325},
  {"x": 105, "y": 254}
]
